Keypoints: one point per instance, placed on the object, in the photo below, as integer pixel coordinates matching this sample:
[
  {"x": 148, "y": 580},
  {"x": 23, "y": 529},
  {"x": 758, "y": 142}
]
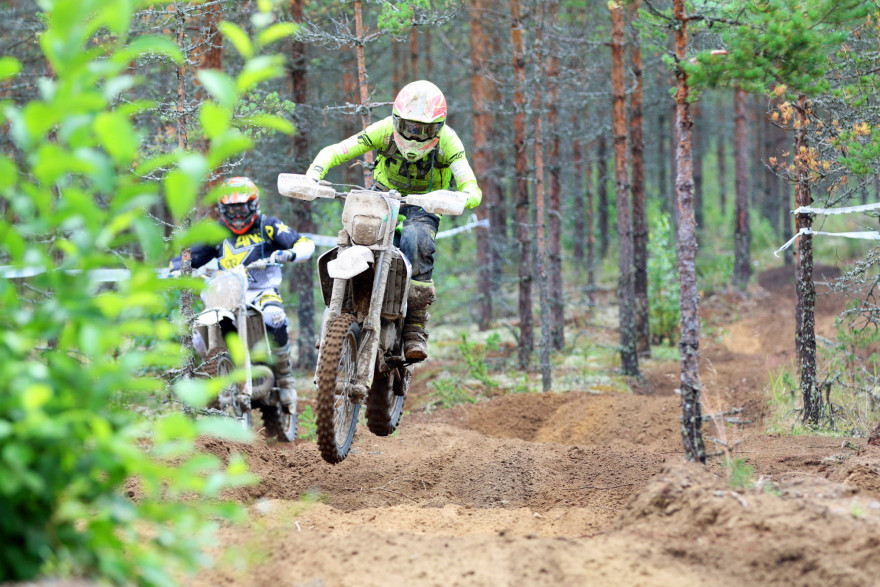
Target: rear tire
[
  {"x": 279, "y": 423},
  {"x": 218, "y": 364},
  {"x": 335, "y": 412},
  {"x": 384, "y": 405}
]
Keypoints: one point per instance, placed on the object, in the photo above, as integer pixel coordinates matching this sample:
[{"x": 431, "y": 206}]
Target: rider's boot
[
  {"x": 415, "y": 333},
  {"x": 284, "y": 377}
]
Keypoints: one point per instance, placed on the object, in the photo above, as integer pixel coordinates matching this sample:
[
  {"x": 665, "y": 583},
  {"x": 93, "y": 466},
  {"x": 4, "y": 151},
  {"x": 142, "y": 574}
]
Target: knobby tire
[{"x": 334, "y": 426}]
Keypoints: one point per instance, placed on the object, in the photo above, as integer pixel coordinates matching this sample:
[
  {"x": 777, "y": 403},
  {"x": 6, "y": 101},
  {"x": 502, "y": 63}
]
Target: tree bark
[
  {"x": 414, "y": 53},
  {"x": 302, "y": 281},
  {"x": 667, "y": 203},
  {"x": 806, "y": 289},
  {"x": 692, "y": 417},
  {"x": 722, "y": 160},
  {"x": 639, "y": 208},
  {"x": 186, "y": 295},
  {"x": 554, "y": 198},
  {"x": 742, "y": 233},
  {"x": 578, "y": 211},
  {"x": 364, "y": 90},
  {"x": 482, "y": 119},
  {"x": 629, "y": 361},
  {"x": 540, "y": 213},
  {"x": 697, "y": 139},
  {"x": 591, "y": 237},
  {"x": 602, "y": 212},
  {"x": 526, "y": 342}
]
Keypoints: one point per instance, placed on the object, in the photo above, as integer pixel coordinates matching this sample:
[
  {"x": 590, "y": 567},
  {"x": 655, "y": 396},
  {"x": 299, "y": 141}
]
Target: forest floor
[{"x": 574, "y": 488}]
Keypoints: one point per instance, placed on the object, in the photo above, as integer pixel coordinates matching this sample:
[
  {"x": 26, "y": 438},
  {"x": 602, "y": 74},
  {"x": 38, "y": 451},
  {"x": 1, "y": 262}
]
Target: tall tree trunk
[
  {"x": 666, "y": 202},
  {"x": 540, "y": 214},
  {"x": 481, "y": 123},
  {"x": 602, "y": 212},
  {"x": 697, "y": 139},
  {"x": 639, "y": 209},
  {"x": 526, "y": 342},
  {"x": 742, "y": 233},
  {"x": 396, "y": 66},
  {"x": 414, "y": 53},
  {"x": 806, "y": 289},
  {"x": 673, "y": 166},
  {"x": 689, "y": 345},
  {"x": 629, "y": 358},
  {"x": 362, "y": 84},
  {"x": 186, "y": 295},
  {"x": 302, "y": 274},
  {"x": 591, "y": 236},
  {"x": 554, "y": 199},
  {"x": 429, "y": 61},
  {"x": 722, "y": 160},
  {"x": 578, "y": 211}
]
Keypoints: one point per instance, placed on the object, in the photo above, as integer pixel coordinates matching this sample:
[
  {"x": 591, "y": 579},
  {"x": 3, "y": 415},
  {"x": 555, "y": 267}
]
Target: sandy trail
[{"x": 571, "y": 489}]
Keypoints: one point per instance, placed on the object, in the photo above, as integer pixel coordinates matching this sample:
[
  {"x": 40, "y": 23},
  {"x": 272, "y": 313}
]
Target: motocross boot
[
  {"x": 284, "y": 377},
  {"x": 415, "y": 333}
]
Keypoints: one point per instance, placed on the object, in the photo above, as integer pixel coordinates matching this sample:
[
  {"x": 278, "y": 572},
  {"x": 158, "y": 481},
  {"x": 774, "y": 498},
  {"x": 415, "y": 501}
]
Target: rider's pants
[
  {"x": 274, "y": 316},
  {"x": 416, "y": 241}
]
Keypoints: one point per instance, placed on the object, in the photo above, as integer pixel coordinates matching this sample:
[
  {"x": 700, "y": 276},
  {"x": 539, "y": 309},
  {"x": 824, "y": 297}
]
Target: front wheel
[{"x": 336, "y": 411}]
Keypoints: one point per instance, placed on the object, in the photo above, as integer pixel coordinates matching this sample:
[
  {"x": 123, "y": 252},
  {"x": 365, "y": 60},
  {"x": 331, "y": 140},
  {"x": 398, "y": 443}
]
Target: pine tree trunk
[
  {"x": 414, "y": 53},
  {"x": 554, "y": 197},
  {"x": 667, "y": 203},
  {"x": 526, "y": 342},
  {"x": 578, "y": 211},
  {"x": 689, "y": 345},
  {"x": 722, "y": 160},
  {"x": 541, "y": 215},
  {"x": 639, "y": 209},
  {"x": 429, "y": 61},
  {"x": 629, "y": 360},
  {"x": 302, "y": 281},
  {"x": 806, "y": 289},
  {"x": 186, "y": 295},
  {"x": 481, "y": 124},
  {"x": 591, "y": 236},
  {"x": 364, "y": 90},
  {"x": 396, "y": 67},
  {"x": 697, "y": 140},
  {"x": 602, "y": 212},
  {"x": 742, "y": 233}
]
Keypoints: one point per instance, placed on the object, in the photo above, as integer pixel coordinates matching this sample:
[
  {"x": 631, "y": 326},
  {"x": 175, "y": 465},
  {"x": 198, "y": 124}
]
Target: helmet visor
[
  {"x": 238, "y": 215},
  {"x": 414, "y": 130}
]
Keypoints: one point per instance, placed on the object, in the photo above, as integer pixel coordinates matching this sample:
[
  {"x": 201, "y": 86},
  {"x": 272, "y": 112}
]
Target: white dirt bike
[
  {"x": 226, "y": 311},
  {"x": 365, "y": 283}
]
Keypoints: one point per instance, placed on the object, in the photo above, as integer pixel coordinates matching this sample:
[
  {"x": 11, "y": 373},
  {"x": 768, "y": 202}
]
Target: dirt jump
[{"x": 574, "y": 488}]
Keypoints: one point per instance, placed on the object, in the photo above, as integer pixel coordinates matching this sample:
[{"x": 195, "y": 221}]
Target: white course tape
[
  {"x": 111, "y": 275},
  {"x": 864, "y": 235},
  {"x": 833, "y": 211}
]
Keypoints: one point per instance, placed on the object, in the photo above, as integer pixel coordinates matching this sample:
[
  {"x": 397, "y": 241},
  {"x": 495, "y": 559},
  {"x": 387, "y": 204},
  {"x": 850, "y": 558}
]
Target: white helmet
[{"x": 418, "y": 114}]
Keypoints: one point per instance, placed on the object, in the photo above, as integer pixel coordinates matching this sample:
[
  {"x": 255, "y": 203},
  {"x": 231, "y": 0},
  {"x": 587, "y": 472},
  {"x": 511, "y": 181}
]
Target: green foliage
[
  {"x": 740, "y": 475},
  {"x": 785, "y": 42},
  {"x": 663, "y": 286},
  {"x": 72, "y": 348},
  {"x": 308, "y": 429},
  {"x": 397, "y": 17},
  {"x": 474, "y": 357},
  {"x": 453, "y": 390},
  {"x": 448, "y": 393}
]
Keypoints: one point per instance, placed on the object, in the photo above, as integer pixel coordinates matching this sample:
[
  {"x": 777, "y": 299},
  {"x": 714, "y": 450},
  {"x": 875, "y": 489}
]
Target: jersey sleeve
[
  {"x": 199, "y": 254},
  {"x": 465, "y": 179},
  {"x": 371, "y": 138},
  {"x": 281, "y": 235}
]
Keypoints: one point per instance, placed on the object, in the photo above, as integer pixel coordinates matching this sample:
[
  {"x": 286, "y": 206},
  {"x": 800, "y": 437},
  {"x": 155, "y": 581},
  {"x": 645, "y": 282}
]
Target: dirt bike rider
[
  {"x": 416, "y": 153},
  {"x": 257, "y": 236}
]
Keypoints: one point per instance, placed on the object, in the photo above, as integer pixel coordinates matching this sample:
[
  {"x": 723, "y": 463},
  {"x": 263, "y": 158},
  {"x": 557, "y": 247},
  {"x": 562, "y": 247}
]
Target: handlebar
[{"x": 302, "y": 187}]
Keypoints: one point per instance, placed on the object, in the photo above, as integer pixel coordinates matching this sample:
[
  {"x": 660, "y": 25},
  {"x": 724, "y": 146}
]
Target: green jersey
[{"x": 435, "y": 171}]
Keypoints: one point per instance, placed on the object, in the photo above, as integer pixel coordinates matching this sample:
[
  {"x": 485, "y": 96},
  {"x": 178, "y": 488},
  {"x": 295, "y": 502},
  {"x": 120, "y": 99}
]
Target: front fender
[
  {"x": 350, "y": 262},
  {"x": 213, "y": 316}
]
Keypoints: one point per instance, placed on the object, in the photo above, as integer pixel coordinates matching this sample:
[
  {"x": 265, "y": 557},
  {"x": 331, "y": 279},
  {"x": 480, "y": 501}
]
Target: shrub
[{"x": 70, "y": 346}]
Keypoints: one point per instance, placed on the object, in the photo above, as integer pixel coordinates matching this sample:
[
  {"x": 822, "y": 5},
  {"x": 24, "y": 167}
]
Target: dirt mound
[
  {"x": 437, "y": 464},
  {"x": 808, "y": 532}
]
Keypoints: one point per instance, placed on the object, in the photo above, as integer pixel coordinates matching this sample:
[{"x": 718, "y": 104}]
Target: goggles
[{"x": 413, "y": 130}]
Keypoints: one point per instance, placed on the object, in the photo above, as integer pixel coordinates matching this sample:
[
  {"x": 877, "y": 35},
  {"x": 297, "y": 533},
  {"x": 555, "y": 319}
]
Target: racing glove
[
  {"x": 284, "y": 256},
  {"x": 473, "y": 200}
]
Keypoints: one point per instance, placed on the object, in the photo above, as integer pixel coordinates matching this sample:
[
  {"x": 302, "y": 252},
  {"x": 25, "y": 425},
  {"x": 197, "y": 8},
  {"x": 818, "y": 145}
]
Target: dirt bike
[
  {"x": 226, "y": 311},
  {"x": 365, "y": 283}
]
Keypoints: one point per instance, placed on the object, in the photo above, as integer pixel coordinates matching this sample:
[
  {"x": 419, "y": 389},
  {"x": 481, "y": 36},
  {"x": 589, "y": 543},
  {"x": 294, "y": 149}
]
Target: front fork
[{"x": 369, "y": 345}]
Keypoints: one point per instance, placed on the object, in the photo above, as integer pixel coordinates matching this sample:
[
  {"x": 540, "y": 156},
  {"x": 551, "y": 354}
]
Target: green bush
[{"x": 71, "y": 462}]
